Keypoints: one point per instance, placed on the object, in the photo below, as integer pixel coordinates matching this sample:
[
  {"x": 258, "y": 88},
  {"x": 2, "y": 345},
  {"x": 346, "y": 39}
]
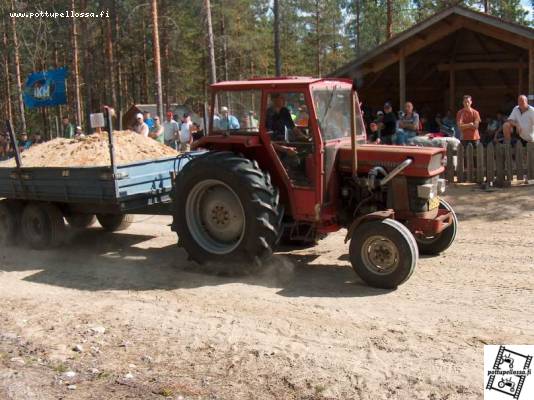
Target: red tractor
[{"x": 286, "y": 160}]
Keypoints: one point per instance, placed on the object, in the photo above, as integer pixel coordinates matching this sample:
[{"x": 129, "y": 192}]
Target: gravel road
[{"x": 126, "y": 315}]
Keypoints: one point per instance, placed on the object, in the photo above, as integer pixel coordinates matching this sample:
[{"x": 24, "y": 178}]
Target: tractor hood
[{"x": 427, "y": 161}]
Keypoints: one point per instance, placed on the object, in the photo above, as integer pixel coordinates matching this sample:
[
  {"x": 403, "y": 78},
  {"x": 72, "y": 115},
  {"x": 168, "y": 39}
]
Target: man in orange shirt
[{"x": 468, "y": 120}]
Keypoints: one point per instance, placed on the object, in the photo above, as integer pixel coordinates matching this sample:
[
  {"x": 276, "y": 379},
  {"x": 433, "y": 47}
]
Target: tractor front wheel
[
  {"x": 226, "y": 211},
  {"x": 436, "y": 244},
  {"x": 383, "y": 253}
]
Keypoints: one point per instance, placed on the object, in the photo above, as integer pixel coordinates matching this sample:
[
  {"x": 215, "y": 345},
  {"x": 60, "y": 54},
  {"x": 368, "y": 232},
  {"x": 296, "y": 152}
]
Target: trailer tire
[
  {"x": 383, "y": 253},
  {"x": 441, "y": 242},
  {"x": 80, "y": 221},
  {"x": 10, "y": 216},
  {"x": 115, "y": 222},
  {"x": 43, "y": 225},
  {"x": 227, "y": 213}
]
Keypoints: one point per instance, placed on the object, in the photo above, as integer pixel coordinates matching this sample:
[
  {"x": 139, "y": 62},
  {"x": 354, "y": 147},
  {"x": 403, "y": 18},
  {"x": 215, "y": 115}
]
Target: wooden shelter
[{"x": 455, "y": 52}]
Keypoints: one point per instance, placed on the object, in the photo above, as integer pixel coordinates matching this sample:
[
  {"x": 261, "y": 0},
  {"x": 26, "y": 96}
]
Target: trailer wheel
[
  {"x": 80, "y": 221},
  {"x": 115, "y": 222},
  {"x": 441, "y": 242},
  {"x": 383, "y": 253},
  {"x": 43, "y": 225},
  {"x": 226, "y": 212},
  {"x": 10, "y": 214}
]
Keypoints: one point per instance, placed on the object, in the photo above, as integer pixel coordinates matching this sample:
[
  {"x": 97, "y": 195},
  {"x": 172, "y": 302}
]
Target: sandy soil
[
  {"x": 92, "y": 150},
  {"x": 148, "y": 326}
]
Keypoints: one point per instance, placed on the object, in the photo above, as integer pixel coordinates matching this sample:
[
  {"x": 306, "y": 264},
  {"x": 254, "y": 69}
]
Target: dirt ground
[{"x": 125, "y": 316}]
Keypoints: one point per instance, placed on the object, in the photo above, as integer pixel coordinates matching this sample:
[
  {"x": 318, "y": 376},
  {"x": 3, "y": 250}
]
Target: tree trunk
[
  {"x": 486, "y": 6},
  {"x": 389, "y": 22},
  {"x": 7, "y": 77},
  {"x": 157, "y": 59},
  {"x": 76, "y": 68},
  {"x": 87, "y": 73},
  {"x": 276, "y": 28},
  {"x": 224, "y": 43},
  {"x": 211, "y": 46},
  {"x": 17, "y": 72},
  {"x": 118, "y": 56},
  {"x": 144, "y": 72},
  {"x": 358, "y": 14},
  {"x": 110, "y": 60},
  {"x": 318, "y": 37}
]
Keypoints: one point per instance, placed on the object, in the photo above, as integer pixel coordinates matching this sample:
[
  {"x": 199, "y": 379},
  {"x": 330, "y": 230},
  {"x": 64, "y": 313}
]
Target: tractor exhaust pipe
[{"x": 396, "y": 171}]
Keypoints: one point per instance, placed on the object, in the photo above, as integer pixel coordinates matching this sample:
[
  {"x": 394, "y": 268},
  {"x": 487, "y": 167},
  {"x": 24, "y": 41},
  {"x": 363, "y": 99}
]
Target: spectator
[
  {"x": 468, "y": 120},
  {"x": 186, "y": 138},
  {"x": 149, "y": 121},
  {"x": 197, "y": 130},
  {"x": 79, "y": 133},
  {"x": 68, "y": 128},
  {"x": 157, "y": 131},
  {"x": 171, "y": 129},
  {"x": 37, "y": 138},
  {"x": 302, "y": 117},
  {"x": 140, "y": 126},
  {"x": 408, "y": 125},
  {"x": 374, "y": 136},
  {"x": 492, "y": 129},
  {"x": 448, "y": 125},
  {"x": 388, "y": 125},
  {"x": 520, "y": 123},
  {"x": 24, "y": 143},
  {"x": 227, "y": 121},
  {"x": 5, "y": 145}
]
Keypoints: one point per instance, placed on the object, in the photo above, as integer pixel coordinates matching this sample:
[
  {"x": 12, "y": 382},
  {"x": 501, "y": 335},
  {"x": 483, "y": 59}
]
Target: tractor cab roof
[{"x": 278, "y": 82}]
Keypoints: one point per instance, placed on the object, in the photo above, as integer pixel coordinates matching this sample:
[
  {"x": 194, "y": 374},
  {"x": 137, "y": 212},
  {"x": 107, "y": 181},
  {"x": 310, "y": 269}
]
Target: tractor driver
[
  {"x": 278, "y": 122},
  {"x": 281, "y": 127}
]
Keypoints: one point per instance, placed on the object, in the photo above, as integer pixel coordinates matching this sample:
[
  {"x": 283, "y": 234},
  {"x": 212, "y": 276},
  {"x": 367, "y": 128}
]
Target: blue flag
[{"x": 46, "y": 88}]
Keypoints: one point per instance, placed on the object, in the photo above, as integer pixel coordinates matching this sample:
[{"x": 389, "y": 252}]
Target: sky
[{"x": 527, "y": 5}]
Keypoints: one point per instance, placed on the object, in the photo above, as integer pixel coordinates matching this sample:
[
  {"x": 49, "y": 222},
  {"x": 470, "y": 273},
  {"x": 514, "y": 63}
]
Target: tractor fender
[{"x": 377, "y": 215}]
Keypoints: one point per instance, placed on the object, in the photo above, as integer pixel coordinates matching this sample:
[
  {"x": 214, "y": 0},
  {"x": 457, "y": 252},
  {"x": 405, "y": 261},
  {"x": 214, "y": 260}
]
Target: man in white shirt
[
  {"x": 140, "y": 126},
  {"x": 171, "y": 128},
  {"x": 520, "y": 122},
  {"x": 185, "y": 133}
]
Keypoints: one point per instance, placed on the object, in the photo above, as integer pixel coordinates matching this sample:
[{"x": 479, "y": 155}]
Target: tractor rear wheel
[
  {"x": 10, "y": 214},
  {"x": 115, "y": 222},
  {"x": 436, "y": 244},
  {"x": 226, "y": 211},
  {"x": 43, "y": 225},
  {"x": 80, "y": 221},
  {"x": 383, "y": 253}
]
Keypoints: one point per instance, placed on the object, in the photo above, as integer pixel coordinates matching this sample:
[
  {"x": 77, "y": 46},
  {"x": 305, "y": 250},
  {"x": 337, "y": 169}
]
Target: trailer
[{"x": 36, "y": 201}]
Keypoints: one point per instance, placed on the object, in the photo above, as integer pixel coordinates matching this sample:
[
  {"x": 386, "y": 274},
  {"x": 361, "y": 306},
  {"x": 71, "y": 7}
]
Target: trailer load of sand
[{"x": 93, "y": 150}]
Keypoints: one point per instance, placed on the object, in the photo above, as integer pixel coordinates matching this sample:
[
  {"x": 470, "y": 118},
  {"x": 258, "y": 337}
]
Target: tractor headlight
[{"x": 426, "y": 191}]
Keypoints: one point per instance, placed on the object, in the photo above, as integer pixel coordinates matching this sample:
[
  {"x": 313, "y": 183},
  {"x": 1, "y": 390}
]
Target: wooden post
[
  {"x": 469, "y": 163},
  {"x": 402, "y": 80},
  {"x": 520, "y": 79},
  {"x": 452, "y": 93},
  {"x": 519, "y": 159},
  {"x": 531, "y": 74},
  {"x": 460, "y": 163},
  {"x": 450, "y": 164},
  {"x": 480, "y": 163},
  {"x": 490, "y": 164},
  {"x": 499, "y": 163},
  {"x": 508, "y": 165}
]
